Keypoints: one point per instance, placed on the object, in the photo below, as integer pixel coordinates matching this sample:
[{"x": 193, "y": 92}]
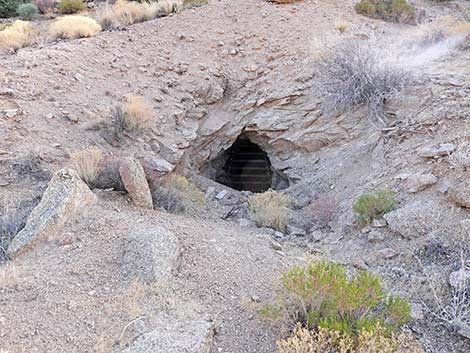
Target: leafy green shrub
[
  {"x": 374, "y": 205},
  {"x": 269, "y": 209},
  {"x": 388, "y": 10},
  {"x": 27, "y": 11},
  {"x": 321, "y": 295},
  {"x": 71, "y": 6},
  {"x": 8, "y": 8}
]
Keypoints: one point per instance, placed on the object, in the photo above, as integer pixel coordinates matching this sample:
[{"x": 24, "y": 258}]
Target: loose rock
[{"x": 135, "y": 182}]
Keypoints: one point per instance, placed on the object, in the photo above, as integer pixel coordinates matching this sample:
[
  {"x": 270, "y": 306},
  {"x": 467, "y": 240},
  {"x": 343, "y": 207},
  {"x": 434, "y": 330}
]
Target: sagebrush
[
  {"x": 27, "y": 11},
  {"x": 270, "y": 209},
  {"x": 178, "y": 194},
  {"x": 373, "y": 205},
  {"x": 353, "y": 73},
  {"x": 71, "y": 6},
  {"x": 8, "y": 8}
]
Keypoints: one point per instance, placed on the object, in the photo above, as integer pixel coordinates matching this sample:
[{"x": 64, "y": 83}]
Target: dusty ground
[{"x": 71, "y": 295}]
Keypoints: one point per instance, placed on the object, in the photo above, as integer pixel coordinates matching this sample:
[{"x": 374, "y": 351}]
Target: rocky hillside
[{"x": 97, "y": 269}]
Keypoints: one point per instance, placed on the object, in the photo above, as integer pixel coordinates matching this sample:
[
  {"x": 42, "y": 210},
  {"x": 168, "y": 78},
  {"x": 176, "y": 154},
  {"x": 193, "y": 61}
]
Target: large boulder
[
  {"x": 134, "y": 180},
  {"x": 65, "y": 197},
  {"x": 174, "y": 336},
  {"x": 414, "y": 220},
  {"x": 150, "y": 255}
]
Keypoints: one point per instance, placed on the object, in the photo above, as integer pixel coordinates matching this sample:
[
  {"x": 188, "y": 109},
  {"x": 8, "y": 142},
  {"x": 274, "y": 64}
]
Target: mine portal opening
[{"x": 246, "y": 166}]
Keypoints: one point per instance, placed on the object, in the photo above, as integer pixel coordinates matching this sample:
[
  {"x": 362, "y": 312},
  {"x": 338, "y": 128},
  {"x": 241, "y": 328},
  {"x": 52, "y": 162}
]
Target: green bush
[
  {"x": 321, "y": 295},
  {"x": 8, "y": 8},
  {"x": 27, "y": 11},
  {"x": 71, "y": 6},
  {"x": 388, "y": 10},
  {"x": 374, "y": 205}
]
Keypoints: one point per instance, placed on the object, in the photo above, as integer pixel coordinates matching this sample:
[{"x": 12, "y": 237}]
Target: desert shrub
[
  {"x": 88, "y": 163},
  {"x": 341, "y": 25},
  {"x": 135, "y": 114},
  {"x": 178, "y": 194},
  {"x": 353, "y": 73},
  {"x": 323, "y": 208},
  {"x": 107, "y": 18},
  {"x": 74, "y": 26},
  {"x": 71, "y": 6},
  {"x": 328, "y": 341},
  {"x": 129, "y": 12},
  {"x": 193, "y": 3},
  {"x": 388, "y": 10},
  {"x": 323, "y": 296},
  {"x": 270, "y": 209},
  {"x": 27, "y": 11},
  {"x": 17, "y": 35},
  {"x": 45, "y": 6},
  {"x": 170, "y": 6},
  {"x": 373, "y": 205},
  {"x": 8, "y": 8}
]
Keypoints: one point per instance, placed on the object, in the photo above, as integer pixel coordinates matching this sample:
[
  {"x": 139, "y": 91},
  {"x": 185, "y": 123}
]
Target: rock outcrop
[
  {"x": 150, "y": 255},
  {"x": 64, "y": 198},
  {"x": 134, "y": 180},
  {"x": 173, "y": 336}
]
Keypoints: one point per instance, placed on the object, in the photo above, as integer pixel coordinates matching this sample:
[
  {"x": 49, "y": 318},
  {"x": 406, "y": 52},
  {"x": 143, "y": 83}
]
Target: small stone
[
  {"x": 459, "y": 194},
  {"x": 210, "y": 190},
  {"x": 278, "y": 234},
  {"x": 255, "y": 298},
  {"x": 465, "y": 226},
  {"x": 375, "y": 237},
  {"x": 441, "y": 150},
  {"x": 10, "y": 113},
  {"x": 419, "y": 182},
  {"x": 417, "y": 311},
  {"x": 387, "y": 253},
  {"x": 359, "y": 264},
  {"x": 221, "y": 195},
  {"x": 317, "y": 235},
  {"x": 295, "y": 232},
  {"x": 275, "y": 245},
  {"x": 379, "y": 223}
]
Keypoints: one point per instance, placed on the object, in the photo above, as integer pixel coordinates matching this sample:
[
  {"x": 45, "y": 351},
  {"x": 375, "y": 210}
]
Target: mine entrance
[{"x": 245, "y": 166}]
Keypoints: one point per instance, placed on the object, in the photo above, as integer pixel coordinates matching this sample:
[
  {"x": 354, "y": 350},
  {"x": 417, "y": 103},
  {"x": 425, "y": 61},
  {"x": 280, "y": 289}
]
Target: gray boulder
[
  {"x": 65, "y": 197},
  {"x": 134, "y": 180}
]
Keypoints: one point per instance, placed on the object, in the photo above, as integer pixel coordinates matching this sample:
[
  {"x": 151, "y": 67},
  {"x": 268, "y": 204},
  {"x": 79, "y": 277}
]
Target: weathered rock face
[
  {"x": 414, "y": 220},
  {"x": 173, "y": 336},
  {"x": 150, "y": 255},
  {"x": 134, "y": 180},
  {"x": 64, "y": 198},
  {"x": 419, "y": 182},
  {"x": 459, "y": 194}
]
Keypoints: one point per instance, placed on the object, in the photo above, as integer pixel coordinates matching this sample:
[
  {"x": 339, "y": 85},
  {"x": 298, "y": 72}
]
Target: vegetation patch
[
  {"x": 17, "y": 35},
  {"x": 27, "y": 11},
  {"x": 71, "y": 6},
  {"x": 389, "y": 10},
  {"x": 353, "y": 73},
  {"x": 374, "y": 205},
  {"x": 74, "y": 26},
  {"x": 8, "y": 8},
  {"x": 270, "y": 209},
  {"x": 88, "y": 163},
  {"x": 337, "y": 313},
  {"x": 178, "y": 194}
]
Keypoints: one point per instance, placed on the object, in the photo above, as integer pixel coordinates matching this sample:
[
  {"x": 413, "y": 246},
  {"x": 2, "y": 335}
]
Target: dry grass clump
[
  {"x": 124, "y": 13},
  {"x": 178, "y": 194},
  {"x": 331, "y": 341},
  {"x": 389, "y": 10},
  {"x": 17, "y": 35},
  {"x": 354, "y": 73},
  {"x": 171, "y": 6},
  {"x": 270, "y": 209},
  {"x": 135, "y": 114},
  {"x": 74, "y": 26},
  {"x": 461, "y": 157},
  {"x": 341, "y": 25},
  {"x": 88, "y": 163}
]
